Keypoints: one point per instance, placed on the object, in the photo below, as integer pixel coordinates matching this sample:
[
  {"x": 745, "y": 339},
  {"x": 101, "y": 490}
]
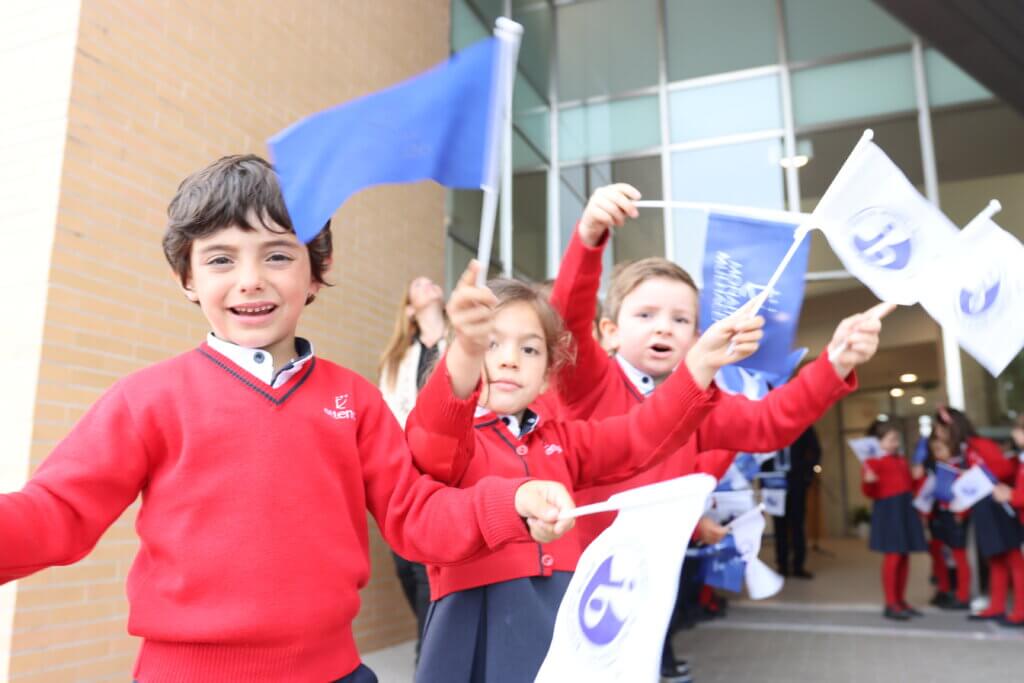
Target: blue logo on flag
[
  {"x": 598, "y": 620},
  {"x": 881, "y": 239},
  {"x": 976, "y": 301}
]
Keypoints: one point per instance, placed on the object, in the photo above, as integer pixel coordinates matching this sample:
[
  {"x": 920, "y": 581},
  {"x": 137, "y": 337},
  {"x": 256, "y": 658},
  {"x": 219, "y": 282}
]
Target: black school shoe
[
  {"x": 895, "y": 613},
  {"x": 941, "y": 599},
  {"x": 955, "y": 604},
  {"x": 981, "y": 616},
  {"x": 1011, "y": 623},
  {"x": 910, "y": 610}
]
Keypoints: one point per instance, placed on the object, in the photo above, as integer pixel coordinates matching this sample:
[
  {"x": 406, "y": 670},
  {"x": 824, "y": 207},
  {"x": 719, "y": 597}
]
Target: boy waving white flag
[
  {"x": 977, "y": 291},
  {"x": 612, "y": 621},
  {"x": 885, "y": 233}
]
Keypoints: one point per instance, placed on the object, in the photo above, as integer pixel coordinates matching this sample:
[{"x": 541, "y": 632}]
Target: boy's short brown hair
[
  {"x": 557, "y": 339},
  {"x": 629, "y": 275},
  {"x": 229, "y": 192}
]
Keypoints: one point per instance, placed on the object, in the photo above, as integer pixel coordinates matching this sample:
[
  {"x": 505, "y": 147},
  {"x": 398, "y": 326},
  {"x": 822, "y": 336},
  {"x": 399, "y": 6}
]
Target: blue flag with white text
[
  {"x": 439, "y": 125},
  {"x": 945, "y": 476},
  {"x": 741, "y": 254}
]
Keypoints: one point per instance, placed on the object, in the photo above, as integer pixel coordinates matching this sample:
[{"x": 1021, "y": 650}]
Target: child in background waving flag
[
  {"x": 1015, "y": 497},
  {"x": 948, "y": 529},
  {"x": 895, "y": 527},
  {"x": 998, "y": 534}
]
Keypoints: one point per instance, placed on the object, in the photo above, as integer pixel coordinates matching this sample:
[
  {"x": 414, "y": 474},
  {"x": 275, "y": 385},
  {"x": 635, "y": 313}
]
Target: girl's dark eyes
[
  {"x": 219, "y": 261},
  {"x": 530, "y": 350},
  {"x": 280, "y": 258}
]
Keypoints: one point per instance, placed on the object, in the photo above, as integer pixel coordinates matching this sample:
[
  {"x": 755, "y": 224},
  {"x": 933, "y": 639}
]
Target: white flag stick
[
  {"x": 731, "y": 209},
  {"x": 991, "y": 209},
  {"x": 593, "y": 508},
  {"x": 651, "y": 494},
  {"x": 798, "y": 237},
  {"x": 878, "y": 311},
  {"x": 509, "y": 35}
]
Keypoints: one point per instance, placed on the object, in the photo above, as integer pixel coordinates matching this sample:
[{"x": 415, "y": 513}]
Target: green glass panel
[
  {"x": 824, "y": 28},
  {"x": 608, "y": 128},
  {"x": 715, "y": 37},
  {"x": 948, "y": 83},
  {"x": 865, "y": 87}
]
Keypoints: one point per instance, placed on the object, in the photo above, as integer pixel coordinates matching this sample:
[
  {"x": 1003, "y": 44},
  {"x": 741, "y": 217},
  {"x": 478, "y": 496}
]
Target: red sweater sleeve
[
  {"x": 79, "y": 490},
  {"x": 991, "y": 454},
  {"x": 615, "y": 448},
  {"x": 715, "y": 463},
  {"x": 869, "y": 489},
  {"x": 574, "y": 296},
  {"x": 774, "y": 422},
  {"x": 421, "y": 519},
  {"x": 1017, "y": 498},
  {"x": 439, "y": 429}
]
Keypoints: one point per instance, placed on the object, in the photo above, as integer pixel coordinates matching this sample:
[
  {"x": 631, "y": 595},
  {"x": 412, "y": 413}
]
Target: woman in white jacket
[{"x": 417, "y": 342}]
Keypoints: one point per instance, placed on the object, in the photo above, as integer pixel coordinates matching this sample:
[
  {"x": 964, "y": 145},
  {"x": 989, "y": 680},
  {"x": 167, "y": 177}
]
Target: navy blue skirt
[
  {"x": 493, "y": 634},
  {"x": 896, "y": 526},
  {"x": 995, "y": 531},
  {"x": 946, "y": 529}
]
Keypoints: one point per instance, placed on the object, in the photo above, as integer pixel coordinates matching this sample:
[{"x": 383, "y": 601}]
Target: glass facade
[{"x": 707, "y": 101}]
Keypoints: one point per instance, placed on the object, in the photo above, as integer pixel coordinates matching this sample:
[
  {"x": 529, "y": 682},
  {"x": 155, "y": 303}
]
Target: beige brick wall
[{"x": 158, "y": 90}]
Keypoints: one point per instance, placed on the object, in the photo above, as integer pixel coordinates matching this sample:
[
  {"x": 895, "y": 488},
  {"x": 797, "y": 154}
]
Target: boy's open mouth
[
  {"x": 253, "y": 309},
  {"x": 660, "y": 348}
]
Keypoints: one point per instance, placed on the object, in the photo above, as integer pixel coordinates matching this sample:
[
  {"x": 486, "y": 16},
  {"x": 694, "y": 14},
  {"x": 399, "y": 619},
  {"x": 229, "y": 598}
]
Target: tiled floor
[{"x": 827, "y": 629}]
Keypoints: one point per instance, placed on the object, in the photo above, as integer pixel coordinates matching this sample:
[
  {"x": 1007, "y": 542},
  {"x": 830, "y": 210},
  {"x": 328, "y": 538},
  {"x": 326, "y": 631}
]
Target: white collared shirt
[
  {"x": 260, "y": 363},
  {"x": 643, "y": 382},
  {"x": 512, "y": 422}
]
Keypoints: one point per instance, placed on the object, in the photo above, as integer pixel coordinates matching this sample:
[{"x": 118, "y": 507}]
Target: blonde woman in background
[{"x": 417, "y": 342}]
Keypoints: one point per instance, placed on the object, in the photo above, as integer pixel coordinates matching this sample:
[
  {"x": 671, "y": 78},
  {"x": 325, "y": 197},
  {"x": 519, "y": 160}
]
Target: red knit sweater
[
  {"x": 253, "y": 525},
  {"x": 445, "y": 444},
  {"x": 893, "y": 477},
  {"x": 596, "y": 387}
]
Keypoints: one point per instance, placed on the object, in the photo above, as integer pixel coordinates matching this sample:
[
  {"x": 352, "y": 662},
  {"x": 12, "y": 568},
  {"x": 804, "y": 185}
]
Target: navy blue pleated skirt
[
  {"x": 995, "y": 531},
  {"x": 945, "y": 528},
  {"x": 492, "y": 634},
  {"x": 896, "y": 526}
]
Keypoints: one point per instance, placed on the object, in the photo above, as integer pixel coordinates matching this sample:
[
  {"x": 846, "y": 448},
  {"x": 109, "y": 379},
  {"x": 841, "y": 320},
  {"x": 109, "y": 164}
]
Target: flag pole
[{"x": 509, "y": 35}]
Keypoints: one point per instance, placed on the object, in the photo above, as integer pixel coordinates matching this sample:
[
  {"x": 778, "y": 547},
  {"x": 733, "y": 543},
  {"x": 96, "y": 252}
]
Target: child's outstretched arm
[
  {"x": 774, "y": 422},
  {"x": 869, "y": 481},
  {"x": 78, "y": 491},
  {"x": 426, "y": 521},
  {"x": 574, "y": 295},
  {"x": 616, "y": 448},
  {"x": 439, "y": 430}
]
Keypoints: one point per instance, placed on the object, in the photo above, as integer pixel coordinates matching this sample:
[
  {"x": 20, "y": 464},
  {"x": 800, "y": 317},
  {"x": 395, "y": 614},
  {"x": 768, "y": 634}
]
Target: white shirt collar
[
  {"x": 260, "y": 363},
  {"x": 530, "y": 422},
  {"x": 643, "y": 382}
]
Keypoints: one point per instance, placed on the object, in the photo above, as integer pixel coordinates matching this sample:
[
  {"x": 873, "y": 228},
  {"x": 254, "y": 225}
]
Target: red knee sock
[
  {"x": 890, "y": 580},
  {"x": 963, "y": 575},
  {"x": 1016, "y": 561},
  {"x": 902, "y": 575},
  {"x": 998, "y": 578},
  {"x": 939, "y": 569}
]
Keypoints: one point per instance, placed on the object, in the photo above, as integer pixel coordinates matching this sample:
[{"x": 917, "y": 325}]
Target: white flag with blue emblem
[
  {"x": 882, "y": 229},
  {"x": 977, "y": 293},
  {"x": 612, "y": 621},
  {"x": 866, "y": 447}
]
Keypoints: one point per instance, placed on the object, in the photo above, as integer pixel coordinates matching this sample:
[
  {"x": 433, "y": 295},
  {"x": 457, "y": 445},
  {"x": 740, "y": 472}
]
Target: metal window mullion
[
  {"x": 554, "y": 226},
  {"x": 789, "y": 137},
  {"x": 505, "y": 207},
  {"x": 666, "y": 158},
  {"x": 950, "y": 347}
]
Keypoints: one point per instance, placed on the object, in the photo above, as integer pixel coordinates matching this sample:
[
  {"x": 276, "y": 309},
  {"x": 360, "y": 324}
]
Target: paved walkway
[{"x": 828, "y": 629}]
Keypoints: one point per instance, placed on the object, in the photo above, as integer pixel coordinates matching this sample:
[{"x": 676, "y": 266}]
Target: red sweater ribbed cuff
[
  {"x": 824, "y": 375},
  {"x": 496, "y": 509},
  {"x": 447, "y": 413}
]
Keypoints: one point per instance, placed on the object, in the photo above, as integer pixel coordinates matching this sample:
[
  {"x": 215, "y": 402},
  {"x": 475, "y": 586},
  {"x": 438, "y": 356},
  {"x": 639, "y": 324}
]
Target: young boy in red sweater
[
  {"x": 650, "y": 321},
  {"x": 257, "y": 463}
]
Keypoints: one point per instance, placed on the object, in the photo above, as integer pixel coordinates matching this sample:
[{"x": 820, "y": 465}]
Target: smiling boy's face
[{"x": 252, "y": 286}]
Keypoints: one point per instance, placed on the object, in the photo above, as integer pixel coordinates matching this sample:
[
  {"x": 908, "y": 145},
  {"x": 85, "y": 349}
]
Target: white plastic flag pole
[
  {"x": 991, "y": 209},
  {"x": 509, "y": 35},
  {"x": 651, "y": 494},
  {"x": 798, "y": 237}
]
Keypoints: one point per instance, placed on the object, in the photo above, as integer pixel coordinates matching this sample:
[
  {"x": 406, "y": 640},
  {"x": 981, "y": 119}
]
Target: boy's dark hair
[{"x": 230, "y": 192}]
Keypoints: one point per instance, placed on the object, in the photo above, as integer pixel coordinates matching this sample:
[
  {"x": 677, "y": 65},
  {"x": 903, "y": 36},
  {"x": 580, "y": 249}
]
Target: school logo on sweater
[
  {"x": 552, "y": 448},
  {"x": 341, "y": 411}
]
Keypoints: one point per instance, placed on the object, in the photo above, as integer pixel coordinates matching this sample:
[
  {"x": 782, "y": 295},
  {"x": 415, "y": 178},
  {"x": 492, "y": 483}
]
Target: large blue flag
[
  {"x": 440, "y": 125},
  {"x": 740, "y": 256}
]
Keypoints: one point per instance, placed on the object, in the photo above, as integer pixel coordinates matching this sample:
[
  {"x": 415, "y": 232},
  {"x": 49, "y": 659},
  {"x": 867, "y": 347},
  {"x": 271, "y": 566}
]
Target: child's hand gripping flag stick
[{"x": 856, "y": 338}]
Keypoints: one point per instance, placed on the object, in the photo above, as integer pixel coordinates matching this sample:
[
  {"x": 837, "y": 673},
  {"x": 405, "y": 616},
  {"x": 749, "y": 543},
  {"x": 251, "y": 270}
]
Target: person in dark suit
[{"x": 797, "y": 461}]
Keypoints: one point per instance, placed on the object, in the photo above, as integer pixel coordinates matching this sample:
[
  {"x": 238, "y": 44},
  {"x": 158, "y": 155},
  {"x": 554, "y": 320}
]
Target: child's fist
[
  {"x": 729, "y": 340},
  {"x": 710, "y": 532},
  {"x": 856, "y": 338},
  {"x": 608, "y": 206},
  {"x": 1002, "y": 493},
  {"x": 540, "y": 503},
  {"x": 869, "y": 475},
  {"x": 471, "y": 312}
]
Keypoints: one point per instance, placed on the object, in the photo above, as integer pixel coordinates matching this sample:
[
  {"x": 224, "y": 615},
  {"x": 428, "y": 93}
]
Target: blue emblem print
[
  {"x": 880, "y": 239},
  {"x": 978, "y": 300},
  {"x": 598, "y": 620}
]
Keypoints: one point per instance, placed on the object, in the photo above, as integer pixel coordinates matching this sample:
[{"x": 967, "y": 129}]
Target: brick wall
[{"x": 158, "y": 89}]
